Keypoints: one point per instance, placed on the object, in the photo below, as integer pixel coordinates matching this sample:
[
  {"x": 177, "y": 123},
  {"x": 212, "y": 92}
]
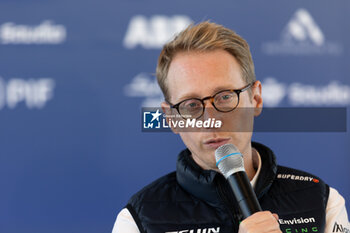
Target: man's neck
[{"x": 249, "y": 156}]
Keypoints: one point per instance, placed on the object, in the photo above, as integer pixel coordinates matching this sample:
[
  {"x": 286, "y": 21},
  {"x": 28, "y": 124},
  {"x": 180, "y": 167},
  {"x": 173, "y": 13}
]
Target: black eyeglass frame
[{"x": 211, "y": 98}]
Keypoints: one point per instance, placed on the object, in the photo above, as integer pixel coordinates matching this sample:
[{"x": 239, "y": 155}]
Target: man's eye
[
  {"x": 192, "y": 105},
  {"x": 226, "y": 97}
]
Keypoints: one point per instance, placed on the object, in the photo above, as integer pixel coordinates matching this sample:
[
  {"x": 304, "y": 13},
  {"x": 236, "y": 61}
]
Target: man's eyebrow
[
  {"x": 222, "y": 88},
  {"x": 188, "y": 96},
  {"x": 213, "y": 92}
]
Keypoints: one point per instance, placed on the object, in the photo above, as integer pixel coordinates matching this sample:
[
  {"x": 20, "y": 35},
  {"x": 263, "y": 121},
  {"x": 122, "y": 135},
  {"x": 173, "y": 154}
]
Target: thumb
[{"x": 275, "y": 216}]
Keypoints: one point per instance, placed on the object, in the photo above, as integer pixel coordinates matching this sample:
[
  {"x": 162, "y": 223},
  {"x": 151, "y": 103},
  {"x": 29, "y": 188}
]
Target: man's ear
[
  {"x": 257, "y": 98},
  {"x": 169, "y": 115}
]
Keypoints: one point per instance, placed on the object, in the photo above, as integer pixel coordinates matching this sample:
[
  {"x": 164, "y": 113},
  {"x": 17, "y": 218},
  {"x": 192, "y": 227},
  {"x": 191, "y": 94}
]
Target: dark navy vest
[{"x": 194, "y": 200}]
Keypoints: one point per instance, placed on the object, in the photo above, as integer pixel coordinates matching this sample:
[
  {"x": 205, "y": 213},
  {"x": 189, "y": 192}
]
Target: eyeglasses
[{"x": 223, "y": 101}]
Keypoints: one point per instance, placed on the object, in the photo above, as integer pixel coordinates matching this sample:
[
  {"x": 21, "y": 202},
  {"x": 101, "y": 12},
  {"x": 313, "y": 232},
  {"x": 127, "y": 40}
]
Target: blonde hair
[{"x": 203, "y": 37}]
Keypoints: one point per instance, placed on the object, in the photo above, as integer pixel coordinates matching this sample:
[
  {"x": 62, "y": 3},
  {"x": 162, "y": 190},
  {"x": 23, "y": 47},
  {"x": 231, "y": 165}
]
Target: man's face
[{"x": 202, "y": 74}]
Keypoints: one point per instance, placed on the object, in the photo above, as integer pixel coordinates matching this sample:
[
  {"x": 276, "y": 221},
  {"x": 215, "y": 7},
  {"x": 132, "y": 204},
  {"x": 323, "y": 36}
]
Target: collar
[
  {"x": 203, "y": 183},
  {"x": 257, "y": 166}
]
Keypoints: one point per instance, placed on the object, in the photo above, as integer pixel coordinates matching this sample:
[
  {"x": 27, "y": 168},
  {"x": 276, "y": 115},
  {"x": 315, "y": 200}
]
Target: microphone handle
[{"x": 244, "y": 194}]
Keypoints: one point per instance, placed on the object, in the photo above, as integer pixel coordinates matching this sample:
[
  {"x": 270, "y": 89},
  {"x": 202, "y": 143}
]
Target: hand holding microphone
[{"x": 230, "y": 163}]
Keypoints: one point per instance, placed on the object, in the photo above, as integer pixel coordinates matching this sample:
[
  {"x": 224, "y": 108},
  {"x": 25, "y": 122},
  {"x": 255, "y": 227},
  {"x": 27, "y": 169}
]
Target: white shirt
[{"x": 335, "y": 212}]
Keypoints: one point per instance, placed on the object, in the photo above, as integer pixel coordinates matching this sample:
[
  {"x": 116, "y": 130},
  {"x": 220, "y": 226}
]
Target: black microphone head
[{"x": 229, "y": 160}]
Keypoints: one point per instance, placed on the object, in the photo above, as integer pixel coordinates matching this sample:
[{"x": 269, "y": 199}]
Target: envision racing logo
[{"x": 298, "y": 221}]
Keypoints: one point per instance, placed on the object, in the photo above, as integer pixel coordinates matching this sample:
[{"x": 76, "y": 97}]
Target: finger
[
  {"x": 263, "y": 221},
  {"x": 269, "y": 226},
  {"x": 261, "y": 216}
]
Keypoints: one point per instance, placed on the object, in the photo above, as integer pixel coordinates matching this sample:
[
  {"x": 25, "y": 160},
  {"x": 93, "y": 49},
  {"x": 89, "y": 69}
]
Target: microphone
[{"x": 230, "y": 163}]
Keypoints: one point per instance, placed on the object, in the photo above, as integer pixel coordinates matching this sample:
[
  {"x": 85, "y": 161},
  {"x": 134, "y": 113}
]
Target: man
[{"x": 207, "y": 70}]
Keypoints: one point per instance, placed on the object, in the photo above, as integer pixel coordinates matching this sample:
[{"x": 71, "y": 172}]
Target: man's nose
[{"x": 209, "y": 110}]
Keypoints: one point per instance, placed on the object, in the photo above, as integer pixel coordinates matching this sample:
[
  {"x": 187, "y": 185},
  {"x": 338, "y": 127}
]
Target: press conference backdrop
[{"x": 74, "y": 76}]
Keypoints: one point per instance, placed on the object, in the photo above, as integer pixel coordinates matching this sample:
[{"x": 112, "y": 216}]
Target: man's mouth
[{"x": 216, "y": 142}]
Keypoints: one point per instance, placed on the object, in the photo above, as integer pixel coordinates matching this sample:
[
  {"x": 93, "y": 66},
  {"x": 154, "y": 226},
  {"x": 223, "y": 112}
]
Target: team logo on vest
[
  {"x": 295, "y": 177},
  {"x": 296, "y": 221},
  {"x": 339, "y": 228},
  {"x": 204, "y": 230},
  {"x": 299, "y": 221}
]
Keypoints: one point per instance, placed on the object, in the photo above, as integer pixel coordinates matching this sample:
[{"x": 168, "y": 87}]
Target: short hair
[{"x": 204, "y": 37}]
